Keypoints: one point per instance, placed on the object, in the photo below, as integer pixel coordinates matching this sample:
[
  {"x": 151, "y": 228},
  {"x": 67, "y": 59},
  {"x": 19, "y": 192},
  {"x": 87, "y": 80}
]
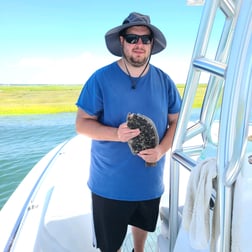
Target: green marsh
[{"x": 49, "y": 99}]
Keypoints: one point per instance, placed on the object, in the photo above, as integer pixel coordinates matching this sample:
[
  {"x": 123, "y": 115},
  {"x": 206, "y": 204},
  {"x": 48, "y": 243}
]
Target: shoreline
[
  {"x": 24, "y": 99},
  {"x": 38, "y": 99}
]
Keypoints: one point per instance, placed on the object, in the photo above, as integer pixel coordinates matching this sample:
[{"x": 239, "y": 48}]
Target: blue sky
[{"x": 62, "y": 42}]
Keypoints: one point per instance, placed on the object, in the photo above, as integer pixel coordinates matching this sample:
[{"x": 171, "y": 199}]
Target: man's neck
[{"x": 131, "y": 70}]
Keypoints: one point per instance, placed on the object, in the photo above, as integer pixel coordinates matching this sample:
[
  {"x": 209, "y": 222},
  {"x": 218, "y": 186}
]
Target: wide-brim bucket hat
[{"x": 134, "y": 19}]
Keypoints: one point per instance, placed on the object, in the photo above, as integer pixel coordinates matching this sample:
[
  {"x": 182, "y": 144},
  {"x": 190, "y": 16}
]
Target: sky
[{"x": 62, "y": 41}]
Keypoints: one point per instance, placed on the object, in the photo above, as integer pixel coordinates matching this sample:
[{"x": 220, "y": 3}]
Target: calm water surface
[{"x": 24, "y": 140}]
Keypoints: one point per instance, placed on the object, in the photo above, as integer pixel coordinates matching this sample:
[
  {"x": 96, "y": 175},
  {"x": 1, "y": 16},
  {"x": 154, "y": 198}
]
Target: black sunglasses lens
[
  {"x": 133, "y": 39},
  {"x": 146, "y": 39}
]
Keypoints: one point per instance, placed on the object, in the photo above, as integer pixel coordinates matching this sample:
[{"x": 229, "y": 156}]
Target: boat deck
[
  {"x": 58, "y": 214},
  {"x": 58, "y": 217},
  {"x": 150, "y": 246}
]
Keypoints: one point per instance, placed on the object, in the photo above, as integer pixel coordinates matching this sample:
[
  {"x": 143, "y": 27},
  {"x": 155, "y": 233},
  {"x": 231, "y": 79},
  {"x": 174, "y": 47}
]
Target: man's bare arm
[
  {"x": 89, "y": 125},
  {"x": 166, "y": 142}
]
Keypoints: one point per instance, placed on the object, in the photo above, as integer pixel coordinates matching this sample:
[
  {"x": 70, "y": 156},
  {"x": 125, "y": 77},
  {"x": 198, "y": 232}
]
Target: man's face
[{"x": 136, "y": 49}]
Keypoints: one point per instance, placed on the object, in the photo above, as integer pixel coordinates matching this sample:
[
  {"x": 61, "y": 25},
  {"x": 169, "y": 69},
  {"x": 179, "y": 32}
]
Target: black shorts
[{"x": 112, "y": 217}]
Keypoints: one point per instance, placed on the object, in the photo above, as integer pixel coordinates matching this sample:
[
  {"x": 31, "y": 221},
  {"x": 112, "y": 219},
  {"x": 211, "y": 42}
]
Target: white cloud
[
  {"x": 77, "y": 69},
  {"x": 46, "y": 70},
  {"x": 175, "y": 67}
]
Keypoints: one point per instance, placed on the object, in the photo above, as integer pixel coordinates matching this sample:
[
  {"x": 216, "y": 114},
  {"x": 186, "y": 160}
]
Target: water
[{"x": 24, "y": 140}]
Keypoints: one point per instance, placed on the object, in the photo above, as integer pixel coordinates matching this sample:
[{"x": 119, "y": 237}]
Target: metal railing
[{"x": 231, "y": 76}]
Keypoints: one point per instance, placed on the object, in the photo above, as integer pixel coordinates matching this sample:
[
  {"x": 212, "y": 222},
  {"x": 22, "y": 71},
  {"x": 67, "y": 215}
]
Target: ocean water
[{"x": 24, "y": 140}]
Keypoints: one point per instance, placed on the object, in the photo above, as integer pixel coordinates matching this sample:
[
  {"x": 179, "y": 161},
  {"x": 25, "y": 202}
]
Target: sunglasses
[{"x": 133, "y": 38}]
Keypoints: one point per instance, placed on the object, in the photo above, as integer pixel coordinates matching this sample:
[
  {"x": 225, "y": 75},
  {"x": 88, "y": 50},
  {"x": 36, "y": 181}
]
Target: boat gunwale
[{"x": 26, "y": 205}]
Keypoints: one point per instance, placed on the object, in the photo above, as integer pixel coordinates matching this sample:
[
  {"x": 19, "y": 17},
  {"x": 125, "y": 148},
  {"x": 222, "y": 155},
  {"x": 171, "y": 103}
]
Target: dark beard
[{"x": 136, "y": 63}]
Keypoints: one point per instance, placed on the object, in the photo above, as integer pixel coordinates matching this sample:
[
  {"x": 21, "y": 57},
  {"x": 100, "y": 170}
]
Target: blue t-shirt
[{"x": 115, "y": 172}]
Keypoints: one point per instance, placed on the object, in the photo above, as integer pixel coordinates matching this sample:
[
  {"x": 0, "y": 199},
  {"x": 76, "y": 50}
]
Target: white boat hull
[{"x": 58, "y": 214}]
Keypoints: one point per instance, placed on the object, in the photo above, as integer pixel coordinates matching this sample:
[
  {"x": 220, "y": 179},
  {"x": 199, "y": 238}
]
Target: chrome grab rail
[
  {"x": 218, "y": 70},
  {"x": 211, "y": 66},
  {"x": 184, "y": 160}
]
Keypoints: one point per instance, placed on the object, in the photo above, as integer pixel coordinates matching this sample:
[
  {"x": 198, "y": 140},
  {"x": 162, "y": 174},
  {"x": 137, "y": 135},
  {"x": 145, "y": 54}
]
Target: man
[{"x": 125, "y": 191}]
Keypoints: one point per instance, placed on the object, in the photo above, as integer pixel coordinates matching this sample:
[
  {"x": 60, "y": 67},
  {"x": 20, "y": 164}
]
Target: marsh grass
[
  {"x": 38, "y": 99},
  {"x": 49, "y": 99},
  {"x": 198, "y": 101}
]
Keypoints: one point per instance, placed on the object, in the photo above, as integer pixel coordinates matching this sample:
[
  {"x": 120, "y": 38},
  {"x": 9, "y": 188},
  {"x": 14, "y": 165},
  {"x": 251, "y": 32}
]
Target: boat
[{"x": 51, "y": 208}]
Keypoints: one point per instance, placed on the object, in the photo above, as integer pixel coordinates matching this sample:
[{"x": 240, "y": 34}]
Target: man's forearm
[
  {"x": 95, "y": 130},
  {"x": 167, "y": 140}
]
